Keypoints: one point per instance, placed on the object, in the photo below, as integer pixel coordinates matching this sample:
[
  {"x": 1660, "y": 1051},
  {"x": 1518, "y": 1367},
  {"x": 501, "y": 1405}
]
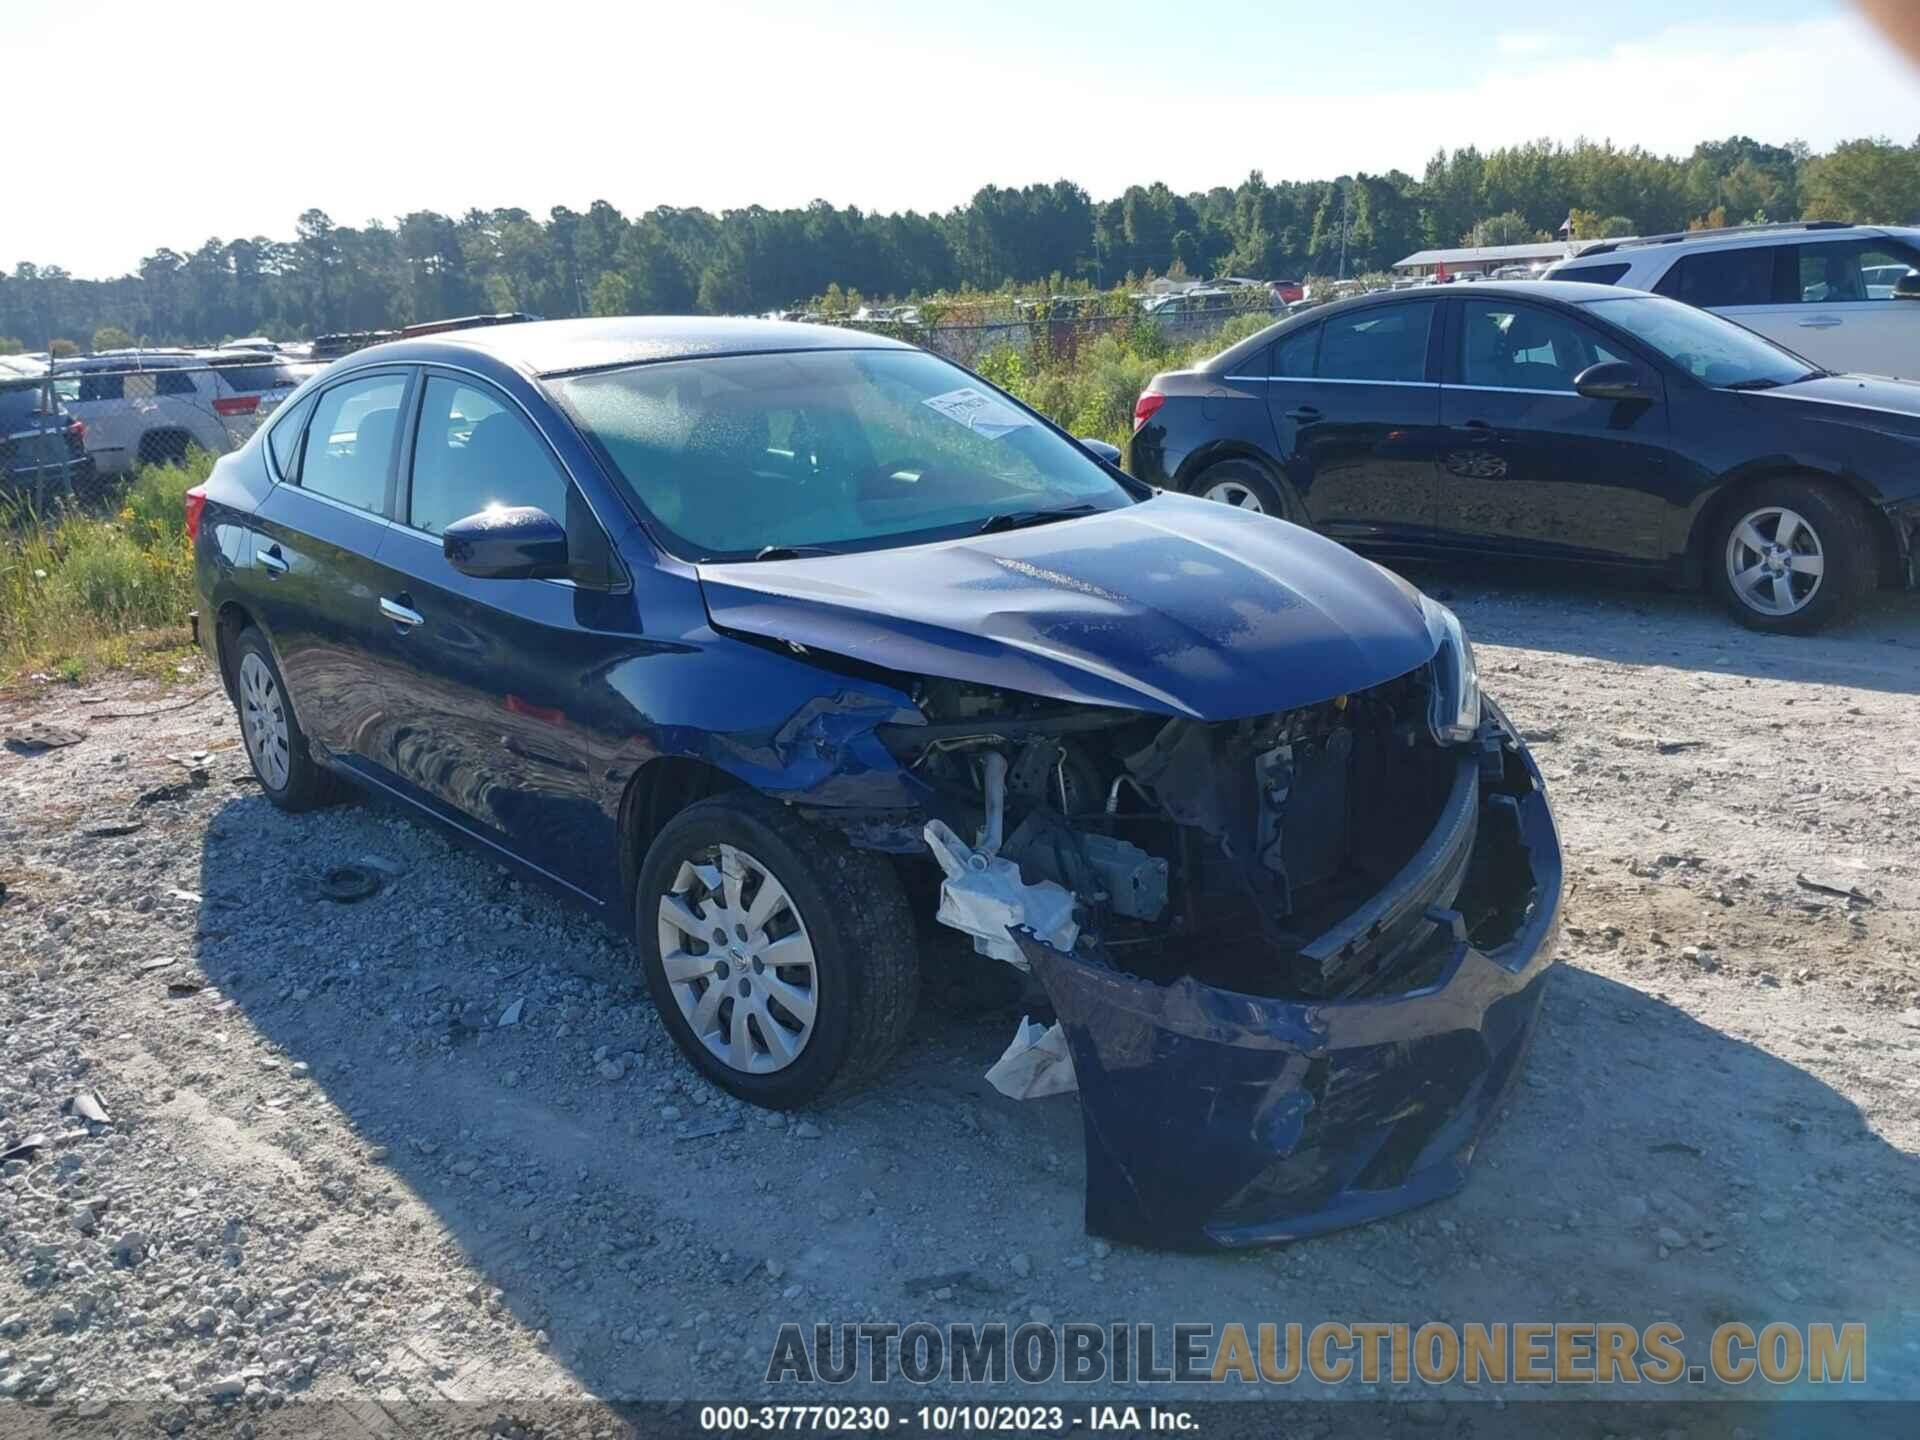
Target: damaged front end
[{"x": 1296, "y": 957}]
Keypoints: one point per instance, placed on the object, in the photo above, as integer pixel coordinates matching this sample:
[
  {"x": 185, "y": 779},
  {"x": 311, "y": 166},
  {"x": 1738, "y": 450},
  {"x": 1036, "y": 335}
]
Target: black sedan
[
  {"x": 781, "y": 647},
  {"x": 1564, "y": 423}
]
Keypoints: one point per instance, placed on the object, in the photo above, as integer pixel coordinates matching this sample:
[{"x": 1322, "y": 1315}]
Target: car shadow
[
  {"x": 568, "y": 1170},
  {"x": 1623, "y": 618}
]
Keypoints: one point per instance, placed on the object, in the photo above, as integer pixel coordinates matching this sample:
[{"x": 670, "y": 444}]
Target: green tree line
[{"x": 424, "y": 265}]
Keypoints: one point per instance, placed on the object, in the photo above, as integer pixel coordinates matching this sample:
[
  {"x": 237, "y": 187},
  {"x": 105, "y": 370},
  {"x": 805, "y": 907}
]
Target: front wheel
[
  {"x": 781, "y": 960},
  {"x": 1792, "y": 557}
]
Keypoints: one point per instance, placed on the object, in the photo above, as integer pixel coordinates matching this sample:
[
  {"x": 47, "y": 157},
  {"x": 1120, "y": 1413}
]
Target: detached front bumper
[{"x": 1216, "y": 1119}]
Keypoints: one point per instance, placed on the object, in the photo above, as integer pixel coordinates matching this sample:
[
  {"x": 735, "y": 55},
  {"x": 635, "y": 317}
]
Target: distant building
[{"x": 1485, "y": 259}]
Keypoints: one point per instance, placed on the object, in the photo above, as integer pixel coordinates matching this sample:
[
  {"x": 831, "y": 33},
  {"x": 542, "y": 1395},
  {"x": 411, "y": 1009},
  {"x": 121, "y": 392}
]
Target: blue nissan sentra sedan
[{"x": 785, "y": 648}]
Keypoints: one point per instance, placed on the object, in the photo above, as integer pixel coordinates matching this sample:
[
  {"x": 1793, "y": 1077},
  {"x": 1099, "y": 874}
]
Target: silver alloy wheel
[
  {"x": 1232, "y": 492},
  {"x": 1775, "y": 562},
  {"x": 263, "y": 715},
  {"x": 739, "y": 961}
]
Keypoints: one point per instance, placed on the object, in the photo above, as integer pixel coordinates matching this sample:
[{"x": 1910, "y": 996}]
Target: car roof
[
  {"x": 153, "y": 359},
  {"x": 552, "y": 347},
  {"x": 1565, "y": 292},
  {"x": 1786, "y": 232}
]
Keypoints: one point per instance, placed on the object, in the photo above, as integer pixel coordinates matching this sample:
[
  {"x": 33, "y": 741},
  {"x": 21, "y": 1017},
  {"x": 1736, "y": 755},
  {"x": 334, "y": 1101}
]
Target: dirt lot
[{"x": 336, "y": 1171}]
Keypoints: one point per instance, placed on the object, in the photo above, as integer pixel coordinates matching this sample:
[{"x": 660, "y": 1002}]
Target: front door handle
[
  {"x": 401, "y": 614},
  {"x": 1820, "y": 322},
  {"x": 1303, "y": 414},
  {"x": 271, "y": 560}
]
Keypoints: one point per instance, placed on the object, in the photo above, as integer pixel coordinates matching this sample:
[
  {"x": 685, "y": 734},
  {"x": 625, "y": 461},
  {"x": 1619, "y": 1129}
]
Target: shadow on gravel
[
  {"x": 660, "y": 1252},
  {"x": 1623, "y": 619}
]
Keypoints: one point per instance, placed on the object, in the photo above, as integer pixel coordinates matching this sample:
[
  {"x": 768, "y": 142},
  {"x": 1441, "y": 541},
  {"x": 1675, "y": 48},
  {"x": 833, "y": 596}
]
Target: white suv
[
  {"x": 150, "y": 406},
  {"x": 1822, "y": 289}
]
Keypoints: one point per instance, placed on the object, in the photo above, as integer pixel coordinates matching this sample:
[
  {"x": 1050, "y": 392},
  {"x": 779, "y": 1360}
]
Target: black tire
[
  {"x": 93, "y": 488},
  {"x": 164, "y": 447},
  {"x": 866, "y": 964},
  {"x": 307, "y": 784},
  {"x": 1242, "y": 477},
  {"x": 1832, "y": 526}
]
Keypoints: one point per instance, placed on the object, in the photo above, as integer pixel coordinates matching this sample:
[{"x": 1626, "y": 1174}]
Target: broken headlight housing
[{"x": 1453, "y": 709}]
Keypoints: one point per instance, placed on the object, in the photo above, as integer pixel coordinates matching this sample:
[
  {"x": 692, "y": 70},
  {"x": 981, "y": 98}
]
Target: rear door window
[
  {"x": 284, "y": 439},
  {"x": 1385, "y": 343},
  {"x": 348, "y": 451},
  {"x": 173, "y": 382},
  {"x": 1293, "y": 355},
  {"x": 1718, "y": 279}
]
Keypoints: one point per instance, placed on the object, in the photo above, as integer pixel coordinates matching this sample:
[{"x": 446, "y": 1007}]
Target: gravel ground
[{"x": 436, "y": 1143}]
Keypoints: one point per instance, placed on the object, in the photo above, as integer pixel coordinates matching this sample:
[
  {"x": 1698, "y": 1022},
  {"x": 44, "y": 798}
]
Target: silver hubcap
[
  {"x": 263, "y": 715},
  {"x": 739, "y": 960},
  {"x": 1774, "y": 561},
  {"x": 1232, "y": 492}
]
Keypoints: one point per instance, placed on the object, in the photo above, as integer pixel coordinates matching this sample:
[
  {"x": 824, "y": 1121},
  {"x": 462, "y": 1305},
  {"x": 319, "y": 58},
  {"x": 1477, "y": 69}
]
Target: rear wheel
[
  {"x": 282, "y": 763},
  {"x": 163, "y": 447},
  {"x": 1243, "y": 485},
  {"x": 781, "y": 960},
  {"x": 1793, "y": 556}
]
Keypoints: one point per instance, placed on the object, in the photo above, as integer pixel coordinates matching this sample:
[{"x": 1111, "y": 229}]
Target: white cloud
[
  {"x": 636, "y": 105},
  {"x": 1523, "y": 43}
]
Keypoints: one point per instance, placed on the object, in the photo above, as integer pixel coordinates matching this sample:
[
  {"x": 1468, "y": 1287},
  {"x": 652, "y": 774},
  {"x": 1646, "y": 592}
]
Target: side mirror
[
  {"x": 1108, "y": 453},
  {"x": 502, "y": 542},
  {"x": 1907, "y": 287},
  {"x": 1613, "y": 380}
]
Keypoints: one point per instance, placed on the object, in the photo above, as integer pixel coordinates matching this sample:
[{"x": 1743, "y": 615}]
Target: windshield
[
  {"x": 827, "y": 449},
  {"x": 1714, "y": 351}
]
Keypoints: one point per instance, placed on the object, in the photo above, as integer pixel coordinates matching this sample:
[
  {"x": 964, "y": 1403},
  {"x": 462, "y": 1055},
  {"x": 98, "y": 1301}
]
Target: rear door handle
[
  {"x": 1303, "y": 414},
  {"x": 401, "y": 614},
  {"x": 1820, "y": 322},
  {"x": 271, "y": 560}
]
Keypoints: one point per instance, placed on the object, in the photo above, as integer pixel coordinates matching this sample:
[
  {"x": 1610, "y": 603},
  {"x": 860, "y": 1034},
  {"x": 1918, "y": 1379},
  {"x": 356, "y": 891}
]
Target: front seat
[{"x": 1528, "y": 333}]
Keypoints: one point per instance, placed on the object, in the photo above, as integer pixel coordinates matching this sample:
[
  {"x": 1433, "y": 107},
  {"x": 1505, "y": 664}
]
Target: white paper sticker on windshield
[{"x": 979, "y": 412}]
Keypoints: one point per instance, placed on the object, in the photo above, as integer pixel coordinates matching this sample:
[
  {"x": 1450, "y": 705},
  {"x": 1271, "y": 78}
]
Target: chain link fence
[
  {"x": 77, "y": 427},
  {"x": 1056, "y": 331}
]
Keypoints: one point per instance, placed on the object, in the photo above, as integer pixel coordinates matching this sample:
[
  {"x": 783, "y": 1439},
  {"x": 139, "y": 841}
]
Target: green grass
[
  {"x": 1092, "y": 393},
  {"x": 83, "y": 591}
]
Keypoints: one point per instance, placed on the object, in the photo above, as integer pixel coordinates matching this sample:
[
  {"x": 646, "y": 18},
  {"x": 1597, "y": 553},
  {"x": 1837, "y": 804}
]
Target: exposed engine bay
[{"x": 1258, "y": 855}]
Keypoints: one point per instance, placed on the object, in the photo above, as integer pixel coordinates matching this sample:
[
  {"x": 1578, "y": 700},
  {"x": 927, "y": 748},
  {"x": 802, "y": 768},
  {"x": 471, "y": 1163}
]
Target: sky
[{"x": 173, "y": 124}]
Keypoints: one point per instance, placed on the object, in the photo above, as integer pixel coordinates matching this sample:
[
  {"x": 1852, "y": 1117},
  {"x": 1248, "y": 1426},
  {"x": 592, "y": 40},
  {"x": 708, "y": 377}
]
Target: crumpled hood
[{"x": 1176, "y": 606}]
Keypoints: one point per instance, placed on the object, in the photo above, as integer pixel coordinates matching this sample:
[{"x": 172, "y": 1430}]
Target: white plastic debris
[
  {"x": 985, "y": 897},
  {"x": 1037, "y": 1063}
]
